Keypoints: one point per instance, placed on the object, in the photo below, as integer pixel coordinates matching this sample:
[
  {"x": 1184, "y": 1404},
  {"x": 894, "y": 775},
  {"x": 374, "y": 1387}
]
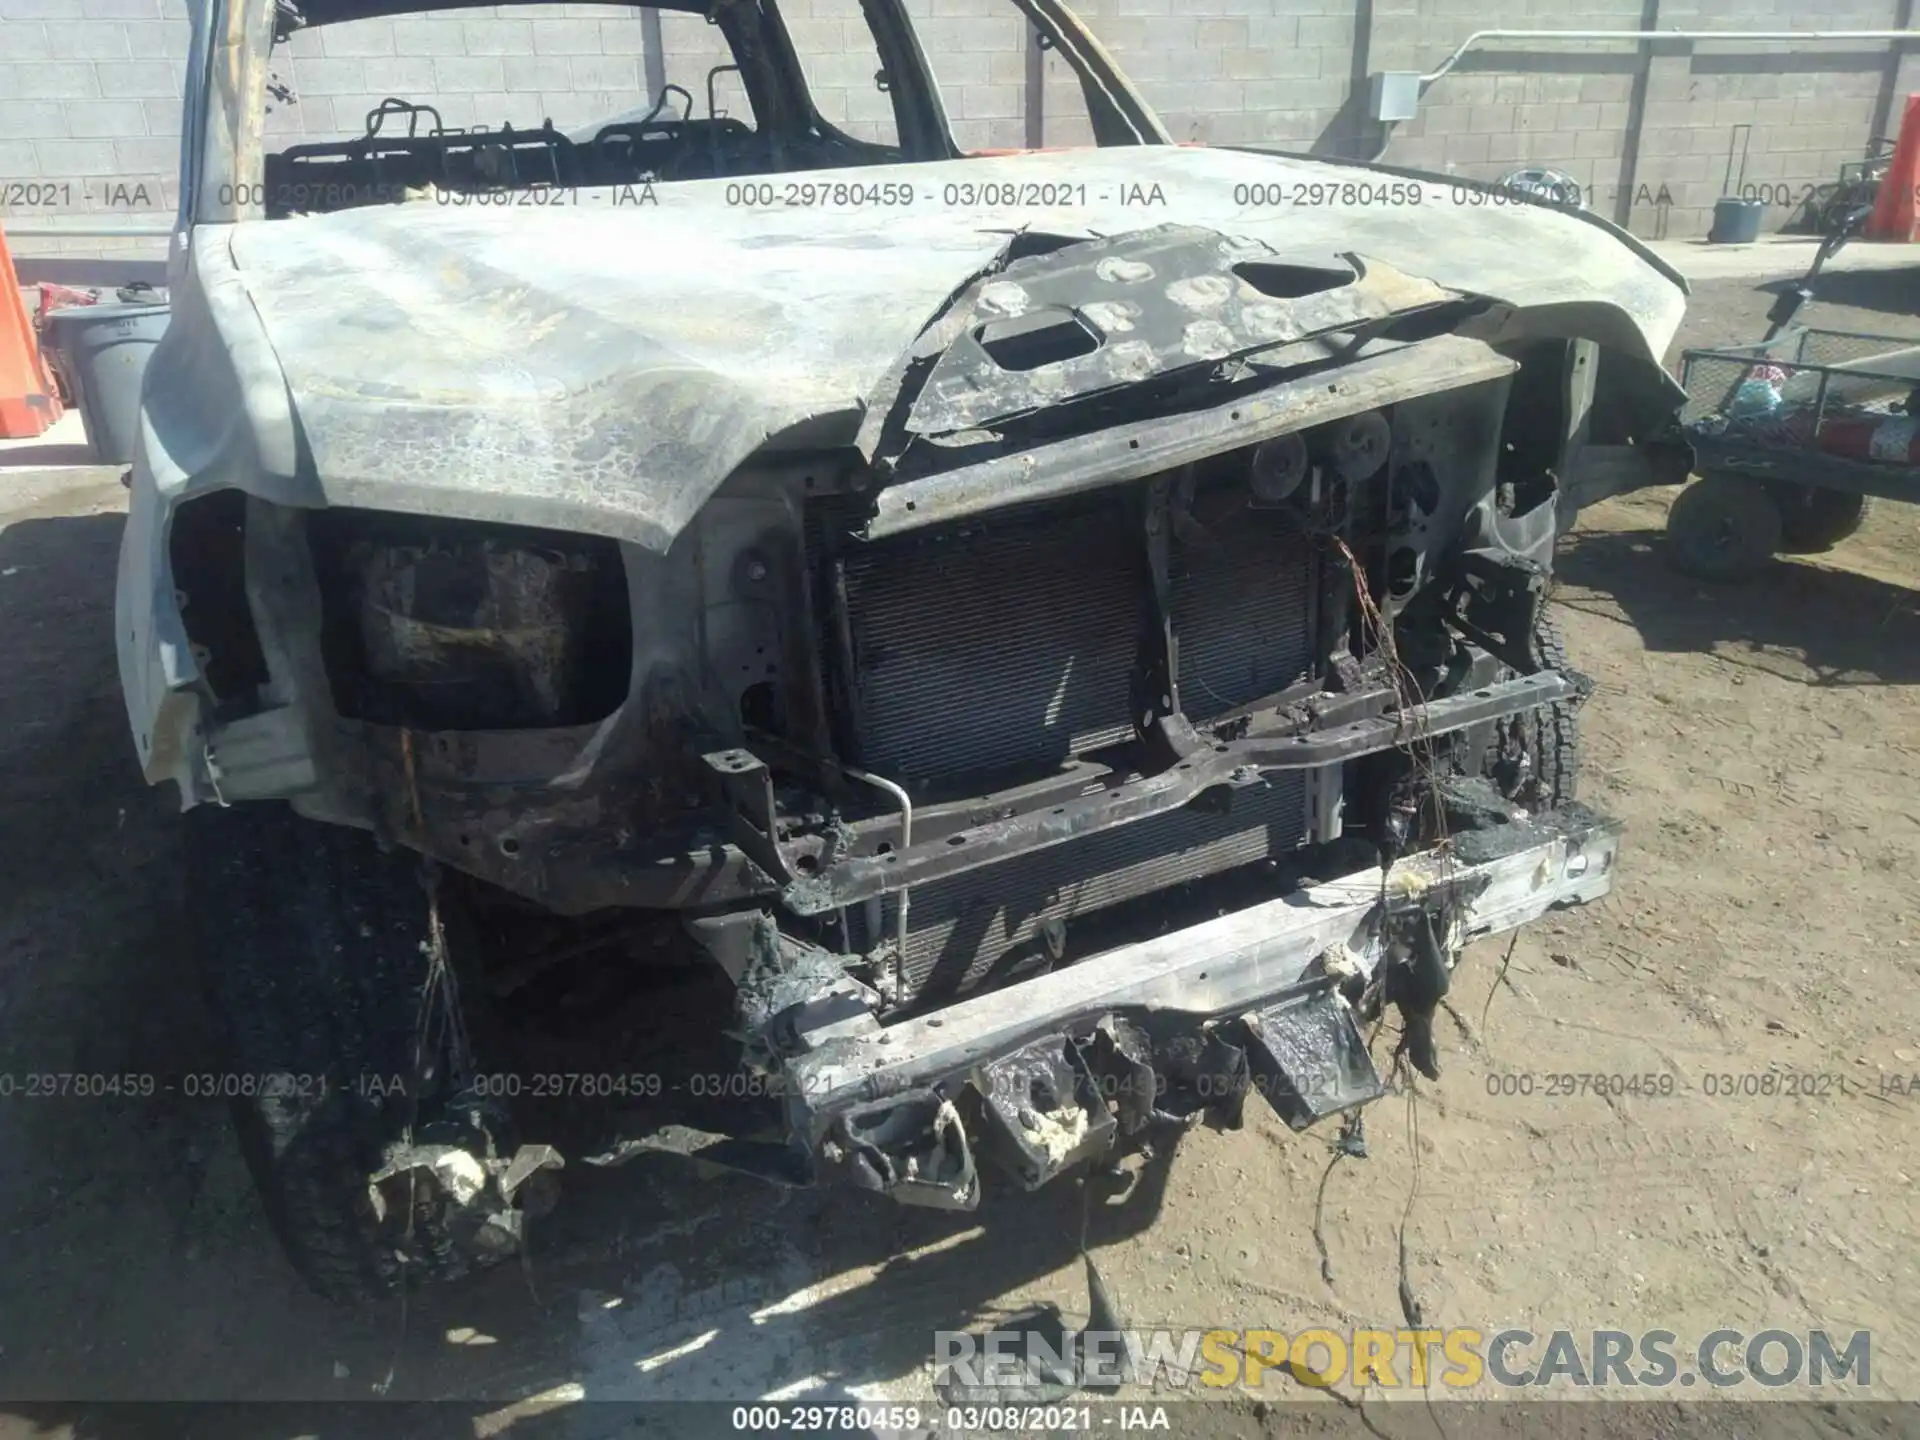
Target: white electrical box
[{"x": 1395, "y": 95}]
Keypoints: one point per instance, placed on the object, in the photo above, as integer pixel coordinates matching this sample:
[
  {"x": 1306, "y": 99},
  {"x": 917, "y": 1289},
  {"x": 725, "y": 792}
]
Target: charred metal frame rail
[
  {"x": 1219, "y": 969},
  {"x": 1232, "y": 763}
]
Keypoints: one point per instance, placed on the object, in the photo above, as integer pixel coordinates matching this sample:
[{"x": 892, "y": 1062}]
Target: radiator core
[
  {"x": 1004, "y": 646},
  {"x": 991, "y": 646}
]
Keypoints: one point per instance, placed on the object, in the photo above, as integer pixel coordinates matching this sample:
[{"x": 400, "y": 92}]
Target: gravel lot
[{"x": 1760, "y": 742}]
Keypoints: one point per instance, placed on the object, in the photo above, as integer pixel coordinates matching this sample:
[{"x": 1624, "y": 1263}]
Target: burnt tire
[
  {"x": 1723, "y": 528},
  {"x": 312, "y": 943},
  {"x": 1529, "y": 760},
  {"x": 1813, "y": 519},
  {"x": 1553, "y": 731},
  {"x": 1533, "y": 758}
]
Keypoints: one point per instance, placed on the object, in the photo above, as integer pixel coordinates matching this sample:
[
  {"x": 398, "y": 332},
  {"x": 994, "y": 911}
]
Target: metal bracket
[
  {"x": 751, "y": 821},
  {"x": 1205, "y": 1075},
  {"x": 1238, "y": 762},
  {"x": 911, "y": 1148},
  {"x": 1308, "y": 1058},
  {"x": 1157, "y": 677},
  {"x": 1121, "y": 1060},
  {"x": 774, "y": 1163},
  {"x": 1510, "y": 601},
  {"x": 1043, "y": 1104}
]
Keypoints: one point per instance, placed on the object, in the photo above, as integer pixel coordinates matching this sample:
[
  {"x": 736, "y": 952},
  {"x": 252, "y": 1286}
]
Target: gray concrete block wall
[
  {"x": 1810, "y": 108},
  {"x": 1565, "y": 106},
  {"x": 1801, "y": 128},
  {"x": 1222, "y": 72},
  {"x": 977, "y": 49},
  {"x": 89, "y": 112},
  {"x": 89, "y": 88},
  {"x": 1560, "y": 105}
]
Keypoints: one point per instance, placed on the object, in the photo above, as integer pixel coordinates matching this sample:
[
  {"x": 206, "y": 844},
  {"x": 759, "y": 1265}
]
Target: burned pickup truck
[{"x": 1065, "y": 650}]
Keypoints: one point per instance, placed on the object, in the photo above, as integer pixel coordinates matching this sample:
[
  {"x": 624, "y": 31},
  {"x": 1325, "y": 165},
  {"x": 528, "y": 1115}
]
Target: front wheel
[
  {"x": 349, "y": 1060},
  {"x": 1534, "y": 757},
  {"x": 1723, "y": 527},
  {"x": 1521, "y": 764}
]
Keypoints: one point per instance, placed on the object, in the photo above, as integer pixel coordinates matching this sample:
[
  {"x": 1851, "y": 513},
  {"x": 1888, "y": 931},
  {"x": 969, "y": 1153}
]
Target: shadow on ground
[
  {"x": 1890, "y": 292},
  {"x": 137, "y": 1267},
  {"x": 52, "y": 452},
  {"x": 1850, "y": 628}
]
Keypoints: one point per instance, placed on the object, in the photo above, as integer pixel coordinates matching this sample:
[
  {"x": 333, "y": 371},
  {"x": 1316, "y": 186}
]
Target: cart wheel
[
  {"x": 1723, "y": 528},
  {"x": 1813, "y": 519}
]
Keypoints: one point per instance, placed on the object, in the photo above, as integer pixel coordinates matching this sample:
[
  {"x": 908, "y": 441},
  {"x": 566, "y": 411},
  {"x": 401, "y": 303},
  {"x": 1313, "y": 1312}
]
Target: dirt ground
[{"x": 1760, "y": 742}]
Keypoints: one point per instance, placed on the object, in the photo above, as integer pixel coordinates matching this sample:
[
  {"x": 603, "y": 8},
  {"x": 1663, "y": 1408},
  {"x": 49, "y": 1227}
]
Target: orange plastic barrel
[{"x": 28, "y": 401}]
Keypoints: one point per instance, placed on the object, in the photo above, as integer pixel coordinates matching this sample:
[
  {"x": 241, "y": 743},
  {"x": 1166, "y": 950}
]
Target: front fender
[{"x": 214, "y": 414}]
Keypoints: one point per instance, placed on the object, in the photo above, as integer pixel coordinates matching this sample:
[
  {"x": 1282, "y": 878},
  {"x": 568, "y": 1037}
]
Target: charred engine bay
[
  {"x": 1108, "y": 714},
  {"x": 1076, "y": 645}
]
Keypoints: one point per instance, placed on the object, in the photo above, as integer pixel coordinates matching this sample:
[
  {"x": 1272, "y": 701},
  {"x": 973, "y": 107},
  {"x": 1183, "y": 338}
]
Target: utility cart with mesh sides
[{"x": 1791, "y": 437}]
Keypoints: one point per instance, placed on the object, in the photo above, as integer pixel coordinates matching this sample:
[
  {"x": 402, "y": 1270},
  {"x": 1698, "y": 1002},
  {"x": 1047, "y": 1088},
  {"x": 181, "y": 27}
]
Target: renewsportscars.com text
[{"x": 1459, "y": 1358}]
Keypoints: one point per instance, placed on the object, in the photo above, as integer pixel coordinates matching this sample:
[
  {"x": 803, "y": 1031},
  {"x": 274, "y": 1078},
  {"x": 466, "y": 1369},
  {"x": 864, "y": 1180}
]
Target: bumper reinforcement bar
[{"x": 1046, "y": 1072}]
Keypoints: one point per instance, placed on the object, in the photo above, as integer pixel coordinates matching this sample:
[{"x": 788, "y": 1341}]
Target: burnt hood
[{"x": 604, "y": 365}]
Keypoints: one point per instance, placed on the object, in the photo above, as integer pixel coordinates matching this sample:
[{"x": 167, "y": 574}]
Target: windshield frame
[{"x": 223, "y": 147}]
